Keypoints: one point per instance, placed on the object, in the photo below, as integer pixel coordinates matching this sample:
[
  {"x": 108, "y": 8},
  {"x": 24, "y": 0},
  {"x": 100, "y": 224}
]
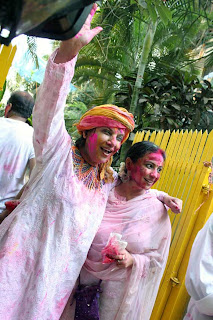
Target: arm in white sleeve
[{"x": 48, "y": 114}]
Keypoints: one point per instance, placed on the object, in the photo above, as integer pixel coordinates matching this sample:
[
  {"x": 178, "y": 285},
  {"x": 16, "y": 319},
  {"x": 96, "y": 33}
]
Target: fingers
[
  {"x": 92, "y": 12},
  {"x": 121, "y": 258},
  {"x": 178, "y": 204},
  {"x": 92, "y": 33},
  {"x": 121, "y": 261}
]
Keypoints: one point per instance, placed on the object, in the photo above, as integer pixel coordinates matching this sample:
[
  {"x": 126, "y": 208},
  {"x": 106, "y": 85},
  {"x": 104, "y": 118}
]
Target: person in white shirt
[
  {"x": 16, "y": 146},
  {"x": 199, "y": 275}
]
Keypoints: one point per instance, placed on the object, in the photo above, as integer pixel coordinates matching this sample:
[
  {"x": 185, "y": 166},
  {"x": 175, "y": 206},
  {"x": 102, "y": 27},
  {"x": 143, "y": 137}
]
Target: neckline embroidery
[{"x": 88, "y": 174}]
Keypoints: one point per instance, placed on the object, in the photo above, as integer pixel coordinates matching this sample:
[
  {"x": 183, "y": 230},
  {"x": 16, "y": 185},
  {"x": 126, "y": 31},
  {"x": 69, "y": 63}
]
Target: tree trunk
[{"x": 147, "y": 45}]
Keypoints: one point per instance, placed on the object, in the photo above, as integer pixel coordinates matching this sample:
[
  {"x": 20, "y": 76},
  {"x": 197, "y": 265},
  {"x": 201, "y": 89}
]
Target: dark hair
[
  {"x": 22, "y": 103},
  {"x": 140, "y": 149},
  {"x": 80, "y": 142}
]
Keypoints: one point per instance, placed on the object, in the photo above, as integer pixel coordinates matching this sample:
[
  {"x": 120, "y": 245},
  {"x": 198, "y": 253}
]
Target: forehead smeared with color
[{"x": 155, "y": 156}]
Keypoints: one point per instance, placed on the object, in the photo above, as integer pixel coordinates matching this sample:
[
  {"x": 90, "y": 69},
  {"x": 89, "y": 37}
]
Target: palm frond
[{"x": 32, "y": 48}]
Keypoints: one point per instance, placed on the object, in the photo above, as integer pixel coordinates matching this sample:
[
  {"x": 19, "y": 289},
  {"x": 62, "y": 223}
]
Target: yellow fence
[
  {"x": 6, "y": 58},
  {"x": 186, "y": 176}
]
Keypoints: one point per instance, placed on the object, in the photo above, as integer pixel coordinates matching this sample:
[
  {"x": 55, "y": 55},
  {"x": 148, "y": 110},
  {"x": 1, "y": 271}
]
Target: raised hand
[
  {"x": 70, "y": 48},
  {"x": 86, "y": 34}
]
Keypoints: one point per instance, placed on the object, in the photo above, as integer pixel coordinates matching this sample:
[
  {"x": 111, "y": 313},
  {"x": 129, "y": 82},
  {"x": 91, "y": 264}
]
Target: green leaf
[
  {"x": 141, "y": 100},
  {"x": 170, "y": 121},
  {"x": 152, "y": 11},
  {"x": 143, "y": 3},
  {"x": 176, "y": 106},
  {"x": 164, "y": 13},
  {"x": 205, "y": 100}
]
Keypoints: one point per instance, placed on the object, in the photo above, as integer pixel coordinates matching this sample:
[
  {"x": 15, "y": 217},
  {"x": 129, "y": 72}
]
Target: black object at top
[{"x": 53, "y": 19}]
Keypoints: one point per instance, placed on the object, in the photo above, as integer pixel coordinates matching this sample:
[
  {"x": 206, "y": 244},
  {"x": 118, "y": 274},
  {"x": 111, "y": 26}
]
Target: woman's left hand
[{"x": 123, "y": 260}]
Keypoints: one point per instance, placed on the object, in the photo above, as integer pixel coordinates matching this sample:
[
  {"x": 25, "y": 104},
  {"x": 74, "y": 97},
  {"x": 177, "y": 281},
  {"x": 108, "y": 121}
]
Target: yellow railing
[
  {"x": 6, "y": 58},
  {"x": 185, "y": 175}
]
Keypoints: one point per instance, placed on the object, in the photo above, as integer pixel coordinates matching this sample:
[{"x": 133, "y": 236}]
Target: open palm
[{"x": 86, "y": 34}]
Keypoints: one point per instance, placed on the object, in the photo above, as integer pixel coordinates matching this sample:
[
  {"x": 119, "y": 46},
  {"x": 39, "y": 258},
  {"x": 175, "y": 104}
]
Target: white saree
[{"x": 144, "y": 223}]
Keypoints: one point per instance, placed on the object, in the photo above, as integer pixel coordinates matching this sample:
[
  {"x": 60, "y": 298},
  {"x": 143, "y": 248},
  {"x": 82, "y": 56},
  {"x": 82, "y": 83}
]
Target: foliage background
[{"x": 167, "y": 45}]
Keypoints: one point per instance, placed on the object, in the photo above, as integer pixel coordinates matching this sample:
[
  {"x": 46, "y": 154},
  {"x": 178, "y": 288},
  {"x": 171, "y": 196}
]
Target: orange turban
[{"x": 107, "y": 115}]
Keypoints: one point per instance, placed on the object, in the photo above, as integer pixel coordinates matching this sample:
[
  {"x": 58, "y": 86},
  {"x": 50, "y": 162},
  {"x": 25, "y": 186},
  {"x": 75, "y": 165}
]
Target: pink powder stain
[
  {"x": 78, "y": 35},
  {"x": 141, "y": 173},
  {"x": 44, "y": 236},
  {"x": 38, "y": 273},
  {"x": 66, "y": 267},
  {"x": 45, "y": 297},
  {"x": 52, "y": 222},
  {"x": 119, "y": 131},
  {"x": 80, "y": 234},
  {"x": 75, "y": 238},
  {"x": 157, "y": 157},
  {"x": 9, "y": 168},
  {"x": 61, "y": 304},
  {"x": 92, "y": 145}
]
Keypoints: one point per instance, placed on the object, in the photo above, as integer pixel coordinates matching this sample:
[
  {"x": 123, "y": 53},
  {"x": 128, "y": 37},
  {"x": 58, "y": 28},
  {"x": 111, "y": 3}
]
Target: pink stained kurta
[
  {"x": 44, "y": 242},
  {"x": 199, "y": 275},
  {"x": 129, "y": 294}
]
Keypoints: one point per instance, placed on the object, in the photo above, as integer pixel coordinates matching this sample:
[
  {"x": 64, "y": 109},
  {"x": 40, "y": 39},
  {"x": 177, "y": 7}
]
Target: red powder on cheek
[{"x": 92, "y": 142}]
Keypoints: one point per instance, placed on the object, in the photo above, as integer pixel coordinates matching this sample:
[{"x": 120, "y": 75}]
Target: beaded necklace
[{"x": 88, "y": 174}]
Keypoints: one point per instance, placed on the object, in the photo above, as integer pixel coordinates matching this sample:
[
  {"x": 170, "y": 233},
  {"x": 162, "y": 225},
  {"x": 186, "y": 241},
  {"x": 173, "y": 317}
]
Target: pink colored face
[
  {"x": 103, "y": 143},
  {"x": 146, "y": 171}
]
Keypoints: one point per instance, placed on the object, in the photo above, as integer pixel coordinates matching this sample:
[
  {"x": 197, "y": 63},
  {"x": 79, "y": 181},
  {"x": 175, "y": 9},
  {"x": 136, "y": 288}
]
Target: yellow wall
[
  {"x": 185, "y": 175},
  {"x": 6, "y": 58}
]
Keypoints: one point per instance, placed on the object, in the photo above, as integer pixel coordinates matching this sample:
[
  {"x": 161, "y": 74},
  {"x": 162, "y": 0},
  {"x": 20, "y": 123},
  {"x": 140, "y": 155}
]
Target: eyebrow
[
  {"x": 119, "y": 133},
  {"x": 153, "y": 163}
]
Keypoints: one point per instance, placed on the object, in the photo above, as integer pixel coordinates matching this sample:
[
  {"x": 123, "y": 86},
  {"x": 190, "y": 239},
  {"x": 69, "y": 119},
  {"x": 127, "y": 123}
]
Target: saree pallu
[{"x": 130, "y": 293}]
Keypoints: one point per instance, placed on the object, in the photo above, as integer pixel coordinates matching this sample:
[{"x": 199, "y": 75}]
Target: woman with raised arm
[{"x": 45, "y": 240}]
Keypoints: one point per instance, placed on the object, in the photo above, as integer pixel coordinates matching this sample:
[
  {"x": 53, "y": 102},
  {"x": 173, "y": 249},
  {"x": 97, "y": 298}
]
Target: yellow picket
[
  {"x": 7, "y": 54},
  {"x": 185, "y": 175}
]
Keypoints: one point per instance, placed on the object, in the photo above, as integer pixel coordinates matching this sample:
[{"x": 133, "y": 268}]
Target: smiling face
[
  {"x": 146, "y": 171},
  {"x": 102, "y": 143}
]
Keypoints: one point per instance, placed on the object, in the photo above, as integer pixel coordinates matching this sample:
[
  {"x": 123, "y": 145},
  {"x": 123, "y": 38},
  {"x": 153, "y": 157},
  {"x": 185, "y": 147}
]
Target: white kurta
[
  {"x": 44, "y": 242},
  {"x": 199, "y": 276},
  {"x": 16, "y": 150}
]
